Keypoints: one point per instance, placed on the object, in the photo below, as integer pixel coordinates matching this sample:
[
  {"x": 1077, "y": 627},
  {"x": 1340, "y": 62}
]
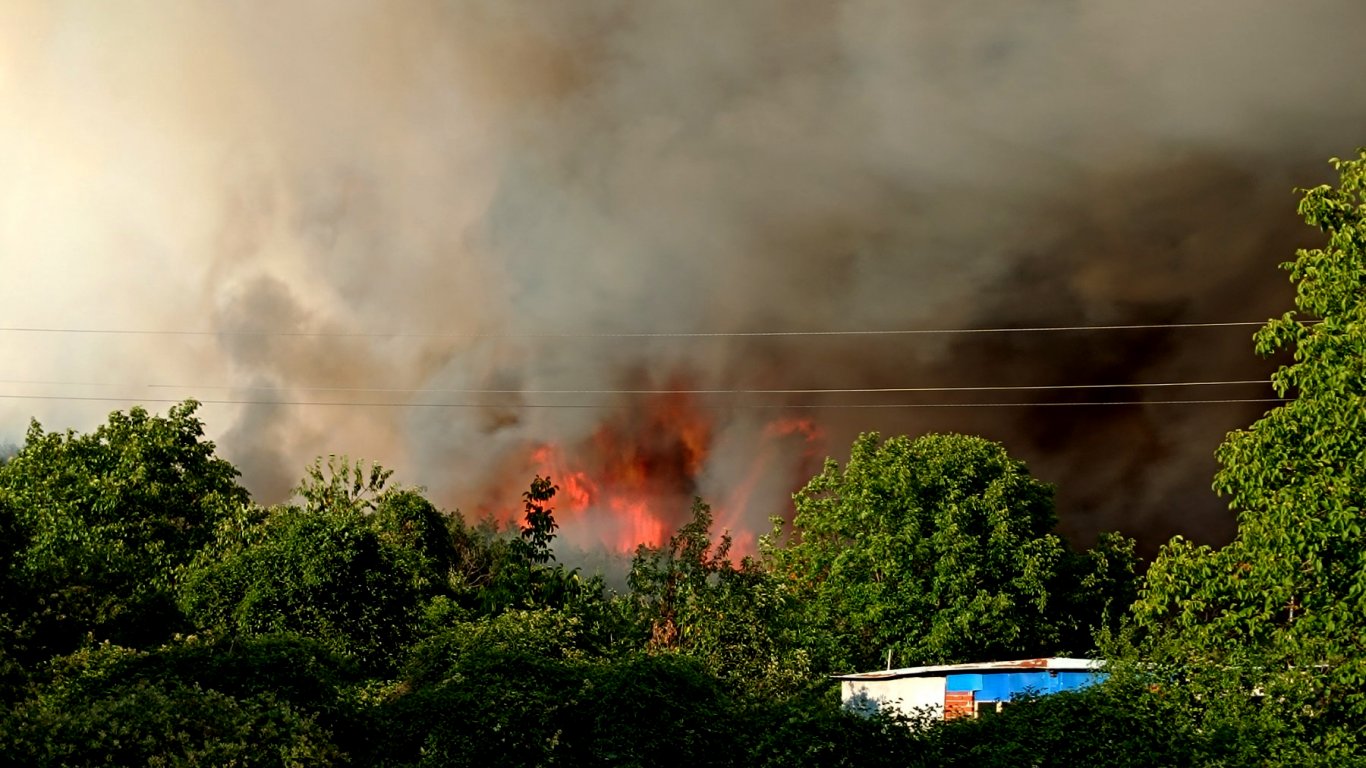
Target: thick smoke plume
[{"x": 357, "y": 201}]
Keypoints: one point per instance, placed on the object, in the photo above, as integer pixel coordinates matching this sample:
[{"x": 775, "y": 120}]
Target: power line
[
  {"x": 631, "y": 392},
  {"x": 827, "y": 391},
  {"x": 1035, "y": 405},
  {"x": 826, "y": 406},
  {"x": 627, "y": 335},
  {"x": 732, "y": 391}
]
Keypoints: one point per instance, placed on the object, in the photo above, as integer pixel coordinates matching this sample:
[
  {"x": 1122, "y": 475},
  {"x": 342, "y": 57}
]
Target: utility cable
[
  {"x": 733, "y": 391},
  {"x": 823, "y": 406},
  {"x": 627, "y": 335},
  {"x": 827, "y": 391}
]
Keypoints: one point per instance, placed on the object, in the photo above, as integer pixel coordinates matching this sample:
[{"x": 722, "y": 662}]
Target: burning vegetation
[{"x": 633, "y": 479}]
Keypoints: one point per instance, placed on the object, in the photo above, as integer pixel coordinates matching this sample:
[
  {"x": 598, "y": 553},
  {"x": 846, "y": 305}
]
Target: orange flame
[
  {"x": 775, "y": 437},
  {"x": 635, "y": 475},
  {"x": 632, "y": 481}
]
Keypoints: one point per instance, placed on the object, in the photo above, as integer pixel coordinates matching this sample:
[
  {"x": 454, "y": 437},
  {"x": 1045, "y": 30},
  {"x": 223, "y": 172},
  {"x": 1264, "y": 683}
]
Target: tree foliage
[
  {"x": 107, "y": 519},
  {"x": 939, "y": 549},
  {"x": 1286, "y": 598},
  {"x": 358, "y": 624},
  {"x": 538, "y": 527},
  {"x": 254, "y": 703},
  {"x": 523, "y": 572},
  {"x": 739, "y": 621},
  {"x": 350, "y": 567}
]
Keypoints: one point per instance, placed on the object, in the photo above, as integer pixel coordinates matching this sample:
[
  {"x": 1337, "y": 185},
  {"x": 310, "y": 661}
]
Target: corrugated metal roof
[{"x": 1052, "y": 663}]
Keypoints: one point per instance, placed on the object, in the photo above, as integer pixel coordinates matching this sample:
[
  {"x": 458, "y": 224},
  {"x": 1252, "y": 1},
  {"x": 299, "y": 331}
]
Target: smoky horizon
[{"x": 478, "y": 240}]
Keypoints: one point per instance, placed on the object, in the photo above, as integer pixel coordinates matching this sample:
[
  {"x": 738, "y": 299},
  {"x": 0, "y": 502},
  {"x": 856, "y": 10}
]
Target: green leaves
[
  {"x": 538, "y": 528},
  {"x": 106, "y": 520},
  {"x": 267, "y": 703},
  {"x": 942, "y": 549},
  {"x": 740, "y": 622},
  {"x": 343, "y": 485},
  {"x": 331, "y": 574},
  {"x": 1283, "y": 599}
]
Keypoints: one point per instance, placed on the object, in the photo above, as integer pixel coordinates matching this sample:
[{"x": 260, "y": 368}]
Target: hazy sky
[{"x": 431, "y": 192}]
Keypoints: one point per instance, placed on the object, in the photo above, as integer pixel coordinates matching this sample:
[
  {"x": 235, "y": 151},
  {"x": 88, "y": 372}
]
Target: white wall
[{"x": 908, "y": 695}]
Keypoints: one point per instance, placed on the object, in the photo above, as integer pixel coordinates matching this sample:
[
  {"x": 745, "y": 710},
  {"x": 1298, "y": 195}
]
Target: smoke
[{"x": 420, "y": 192}]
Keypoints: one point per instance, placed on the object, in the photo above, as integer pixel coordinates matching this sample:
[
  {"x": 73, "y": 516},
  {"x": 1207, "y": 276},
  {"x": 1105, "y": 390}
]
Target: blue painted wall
[{"x": 1002, "y": 686}]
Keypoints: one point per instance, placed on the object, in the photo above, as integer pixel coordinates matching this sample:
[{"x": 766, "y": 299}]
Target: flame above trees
[{"x": 633, "y": 480}]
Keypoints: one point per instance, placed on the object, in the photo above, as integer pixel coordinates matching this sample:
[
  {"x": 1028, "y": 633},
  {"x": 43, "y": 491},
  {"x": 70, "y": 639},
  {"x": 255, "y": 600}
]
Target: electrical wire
[
  {"x": 621, "y": 392},
  {"x": 741, "y": 406},
  {"x": 629, "y": 335},
  {"x": 829, "y": 391}
]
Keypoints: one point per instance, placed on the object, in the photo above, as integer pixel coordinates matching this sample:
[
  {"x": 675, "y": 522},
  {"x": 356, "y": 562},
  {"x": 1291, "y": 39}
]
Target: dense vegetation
[{"x": 152, "y": 614}]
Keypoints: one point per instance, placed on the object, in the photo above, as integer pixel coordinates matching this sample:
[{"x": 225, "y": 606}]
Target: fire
[
  {"x": 775, "y": 445},
  {"x": 635, "y": 476},
  {"x": 633, "y": 479}
]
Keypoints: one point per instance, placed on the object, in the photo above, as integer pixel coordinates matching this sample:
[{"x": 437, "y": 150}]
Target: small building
[{"x": 964, "y": 690}]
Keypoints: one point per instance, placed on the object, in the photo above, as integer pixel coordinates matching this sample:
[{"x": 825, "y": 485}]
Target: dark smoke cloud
[{"x": 468, "y": 175}]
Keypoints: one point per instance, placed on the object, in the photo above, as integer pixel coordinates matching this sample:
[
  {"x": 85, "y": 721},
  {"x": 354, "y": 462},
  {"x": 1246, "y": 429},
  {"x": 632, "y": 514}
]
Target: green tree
[
  {"x": 670, "y": 582},
  {"x": 342, "y": 485},
  {"x": 524, "y": 573},
  {"x": 740, "y": 622},
  {"x": 939, "y": 549},
  {"x": 106, "y": 521},
  {"x": 251, "y": 703},
  {"x": 1287, "y": 596},
  {"x": 813, "y": 729},
  {"x": 504, "y": 702},
  {"x": 538, "y": 527},
  {"x": 15, "y": 601},
  {"x": 352, "y": 567}
]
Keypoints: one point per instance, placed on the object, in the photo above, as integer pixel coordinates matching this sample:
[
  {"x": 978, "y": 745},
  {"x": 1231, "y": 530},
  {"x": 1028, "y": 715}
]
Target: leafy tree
[
  {"x": 546, "y": 633},
  {"x": 344, "y": 485},
  {"x": 670, "y": 582},
  {"x": 939, "y": 549},
  {"x": 276, "y": 702},
  {"x": 15, "y": 601},
  {"x": 1287, "y": 596},
  {"x": 349, "y": 568},
  {"x": 524, "y": 573},
  {"x": 813, "y": 729},
  {"x": 739, "y": 621},
  {"x": 1103, "y": 587},
  {"x": 496, "y": 707},
  {"x": 538, "y": 528},
  {"x": 106, "y": 521},
  {"x": 528, "y": 704},
  {"x": 495, "y": 690},
  {"x": 653, "y": 710}
]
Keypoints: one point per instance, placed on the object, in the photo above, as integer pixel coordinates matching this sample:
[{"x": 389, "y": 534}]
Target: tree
[
  {"x": 938, "y": 549},
  {"x": 246, "y": 703},
  {"x": 351, "y": 567},
  {"x": 525, "y": 574},
  {"x": 670, "y": 582},
  {"x": 107, "y": 519},
  {"x": 344, "y": 485},
  {"x": 15, "y": 601},
  {"x": 1288, "y": 595},
  {"x": 740, "y": 621},
  {"x": 538, "y": 528}
]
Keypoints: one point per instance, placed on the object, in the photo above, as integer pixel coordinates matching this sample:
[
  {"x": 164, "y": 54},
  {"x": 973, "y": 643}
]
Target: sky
[{"x": 476, "y": 240}]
